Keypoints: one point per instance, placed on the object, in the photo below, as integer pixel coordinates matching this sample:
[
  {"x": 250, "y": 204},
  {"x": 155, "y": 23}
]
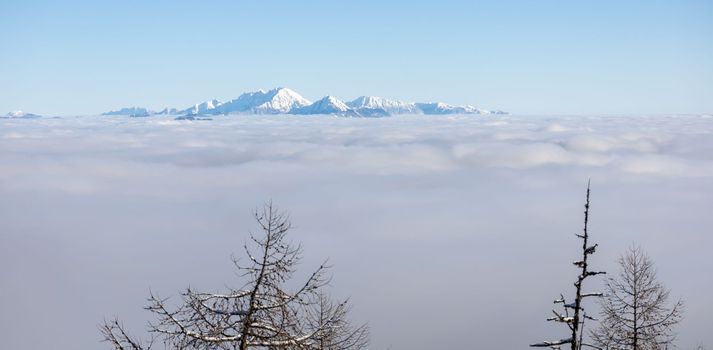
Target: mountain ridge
[
  {"x": 20, "y": 115},
  {"x": 283, "y": 100}
]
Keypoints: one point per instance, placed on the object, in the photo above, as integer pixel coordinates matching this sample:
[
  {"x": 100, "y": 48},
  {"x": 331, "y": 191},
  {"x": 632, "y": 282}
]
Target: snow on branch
[
  {"x": 561, "y": 318},
  {"x": 547, "y": 344},
  {"x": 591, "y": 250}
]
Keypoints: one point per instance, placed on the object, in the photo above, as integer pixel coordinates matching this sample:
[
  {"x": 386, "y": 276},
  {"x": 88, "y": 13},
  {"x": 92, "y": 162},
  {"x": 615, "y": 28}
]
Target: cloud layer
[{"x": 470, "y": 218}]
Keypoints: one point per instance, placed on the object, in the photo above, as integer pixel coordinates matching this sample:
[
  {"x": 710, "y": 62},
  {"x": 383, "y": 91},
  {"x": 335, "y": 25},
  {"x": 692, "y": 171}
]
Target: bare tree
[
  {"x": 113, "y": 332},
  {"x": 340, "y": 335},
  {"x": 263, "y": 313},
  {"x": 572, "y": 313},
  {"x": 635, "y": 312}
]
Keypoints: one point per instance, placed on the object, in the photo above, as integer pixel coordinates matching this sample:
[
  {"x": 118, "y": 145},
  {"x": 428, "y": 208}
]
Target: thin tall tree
[{"x": 573, "y": 315}]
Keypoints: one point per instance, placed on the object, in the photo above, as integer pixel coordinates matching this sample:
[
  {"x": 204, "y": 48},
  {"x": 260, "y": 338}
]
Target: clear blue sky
[{"x": 533, "y": 57}]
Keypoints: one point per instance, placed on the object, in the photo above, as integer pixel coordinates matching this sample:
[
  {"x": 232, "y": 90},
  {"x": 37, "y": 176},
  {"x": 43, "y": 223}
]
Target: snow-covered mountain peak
[
  {"x": 131, "y": 111},
  {"x": 20, "y": 114},
  {"x": 370, "y": 101},
  {"x": 283, "y": 100},
  {"x": 390, "y": 106},
  {"x": 326, "y": 105},
  {"x": 211, "y": 104},
  {"x": 444, "y": 108},
  {"x": 206, "y": 107},
  {"x": 275, "y": 101},
  {"x": 334, "y": 102}
]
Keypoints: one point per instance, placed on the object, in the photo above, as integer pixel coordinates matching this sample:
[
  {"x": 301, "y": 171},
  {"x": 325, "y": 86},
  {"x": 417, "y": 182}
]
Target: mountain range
[
  {"x": 287, "y": 101},
  {"x": 19, "y": 114}
]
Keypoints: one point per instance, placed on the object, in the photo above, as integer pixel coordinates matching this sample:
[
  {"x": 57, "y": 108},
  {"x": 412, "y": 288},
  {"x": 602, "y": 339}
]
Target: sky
[
  {"x": 527, "y": 57},
  {"x": 444, "y": 232}
]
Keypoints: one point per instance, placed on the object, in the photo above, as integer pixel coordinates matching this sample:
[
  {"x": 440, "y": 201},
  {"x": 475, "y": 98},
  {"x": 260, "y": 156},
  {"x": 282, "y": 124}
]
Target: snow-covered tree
[
  {"x": 572, "y": 314},
  {"x": 635, "y": 310},
  {"x": 262, "y": 314}
]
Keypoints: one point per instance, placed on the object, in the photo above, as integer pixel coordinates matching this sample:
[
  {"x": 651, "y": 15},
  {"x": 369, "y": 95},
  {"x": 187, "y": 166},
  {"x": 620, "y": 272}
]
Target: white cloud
[{"x": 456, "y": 208}]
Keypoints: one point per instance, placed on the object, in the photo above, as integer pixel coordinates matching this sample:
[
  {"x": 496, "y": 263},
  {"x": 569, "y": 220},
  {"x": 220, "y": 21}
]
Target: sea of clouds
[{"x": 447, "y": 232}]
